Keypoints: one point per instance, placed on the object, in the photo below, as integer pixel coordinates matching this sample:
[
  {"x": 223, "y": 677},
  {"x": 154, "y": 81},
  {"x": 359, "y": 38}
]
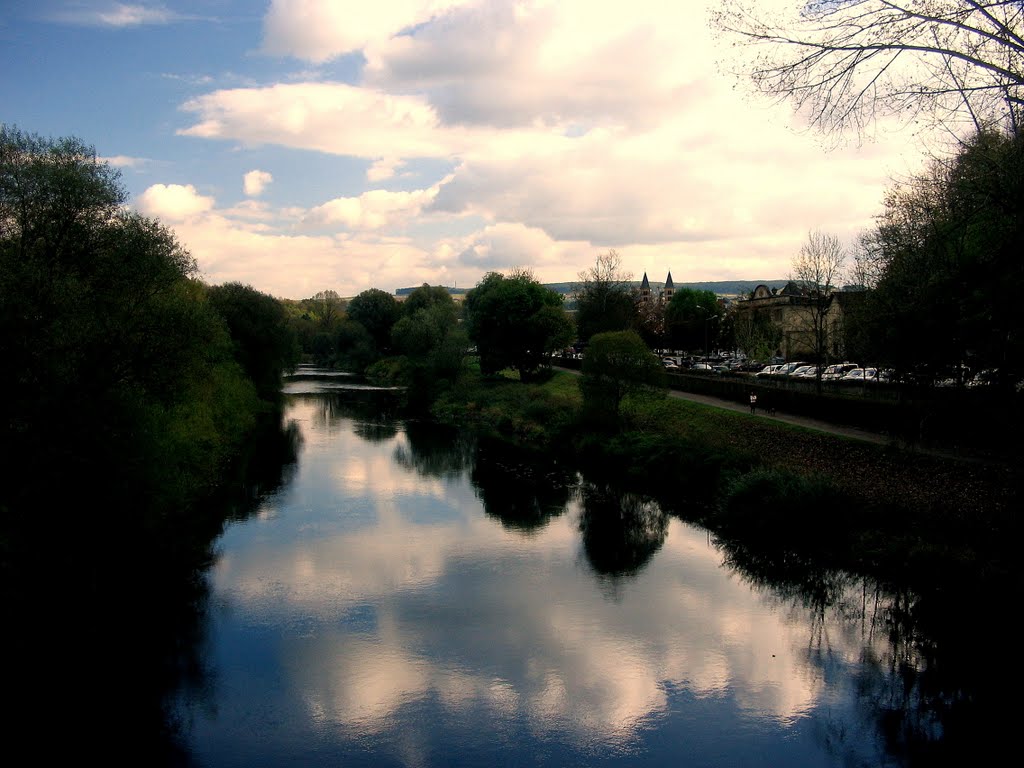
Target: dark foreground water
[{"x": 409, "y": 598}]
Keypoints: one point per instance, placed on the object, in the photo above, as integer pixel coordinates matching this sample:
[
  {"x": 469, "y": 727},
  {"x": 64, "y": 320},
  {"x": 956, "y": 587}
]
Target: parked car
[
  {"x": 786, "y": 368},
  {"x": 983, "y": 378},
  {"x": 861, "y": 374},
  {"x": 700, "y": 367},
  {"x": 799, "y": 371},
  {"x": 768, "y": 370},
  {"x": 837, "y": 371}
]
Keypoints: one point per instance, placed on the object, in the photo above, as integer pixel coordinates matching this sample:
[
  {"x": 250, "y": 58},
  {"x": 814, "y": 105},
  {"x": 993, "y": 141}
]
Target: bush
[{"x": 783, "y": 507}]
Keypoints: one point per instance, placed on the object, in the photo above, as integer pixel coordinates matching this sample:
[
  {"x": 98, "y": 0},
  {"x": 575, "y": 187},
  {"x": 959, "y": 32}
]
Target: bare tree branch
[{"x": 846, "y": 63}]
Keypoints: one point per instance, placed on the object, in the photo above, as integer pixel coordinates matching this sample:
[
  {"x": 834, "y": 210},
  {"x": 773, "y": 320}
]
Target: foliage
[
  {"x": 537, "y": 415},
  {"x": 616, "y": 365},
  {"x": 324, "y": 308},
  {"x": 604, "y": 301},
  {"x": 785, "y": 507},
  {"x": 948, "y": 250},
  {"x": 689, "y": 317},
  {"x": 755, "y": 333},
  {"x": 376, "y": 311},
  {"x": 264, "y": 344},
  {"x": 846, "y": 63},
  {"x": 431, "y": 343},
  {"x": 355, "y": 346},
  {"x": 515, "y": 322},
  {"x": 121, "y": 387},
  {"x": 425, "y": 297}
]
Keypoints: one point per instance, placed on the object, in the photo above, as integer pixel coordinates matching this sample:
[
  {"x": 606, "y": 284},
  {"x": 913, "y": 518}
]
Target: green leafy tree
[
  {"x": 755, "y": 334},
  {"x": 377, "y": 311},
  {"x": 318, "y": 324},
  {"x": 432, "y": 347},
  {"x": 264, "y": 342},
  {"x": 948, "y": 246},
  {"x": 690, "y": 316},
  {"x": 604, "y": 301},
  {"x": 119, "y": 378},
  {"x": 515, "y": 322},
  {"x": 617, "y": 365},
  {"x": 426, "y": 296},
  {"x": 355, "y": 347}
]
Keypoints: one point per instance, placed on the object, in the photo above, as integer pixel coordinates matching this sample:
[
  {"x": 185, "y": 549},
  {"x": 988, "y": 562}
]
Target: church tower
[
  {"x": 645, "y": 290},
  {"x": 668, "y": 290}
]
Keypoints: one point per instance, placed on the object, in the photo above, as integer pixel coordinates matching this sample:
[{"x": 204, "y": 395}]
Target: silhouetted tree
[
  {"x": 845, "y": 63},
  {"x": 515, "y": 322},
  {"x": 604, "y": 301}
]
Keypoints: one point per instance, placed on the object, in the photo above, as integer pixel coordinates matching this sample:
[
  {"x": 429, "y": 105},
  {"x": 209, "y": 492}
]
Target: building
[
  {"x": 665, "y": 293},
  {"x": 791, "y": 314}
]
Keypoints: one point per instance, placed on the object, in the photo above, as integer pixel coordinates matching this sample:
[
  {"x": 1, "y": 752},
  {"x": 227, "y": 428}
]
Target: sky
[{"x": 298, "y": 146}]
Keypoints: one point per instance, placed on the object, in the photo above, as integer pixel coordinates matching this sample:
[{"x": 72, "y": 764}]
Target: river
[{"x": 408, "y": 597}]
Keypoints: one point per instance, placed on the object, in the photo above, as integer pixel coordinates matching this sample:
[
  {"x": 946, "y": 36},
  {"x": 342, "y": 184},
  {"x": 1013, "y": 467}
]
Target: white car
[
  {"x": 787, "y": 368},
  {"x": 837, "y": 371},
  {"x": 861, "y": 374}
]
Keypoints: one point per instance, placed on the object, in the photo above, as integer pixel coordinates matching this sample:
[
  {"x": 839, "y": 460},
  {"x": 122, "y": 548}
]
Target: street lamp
[{"x": 707, "y": 319}]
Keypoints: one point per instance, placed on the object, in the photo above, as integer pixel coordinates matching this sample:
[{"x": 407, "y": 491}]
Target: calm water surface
[{"x": 407, "y": 599}]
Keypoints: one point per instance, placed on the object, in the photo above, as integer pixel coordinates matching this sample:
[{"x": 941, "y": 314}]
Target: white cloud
[
  {"x": 320, "y": 30},
  {"x": 572, "y": 126},
  {"x": 330, "y": 117},
  {"x": 372, "y": 210},
  {"x": 123, "y": 161},
  {"x": 174, "y": 202},
  {"x": 254, "y": 182},
  {"x": 551, "y": 63},
  {"x": 383, "y": 168},
  {"x": 118, "y": 15},
  {"x": 507, "y": 245}
]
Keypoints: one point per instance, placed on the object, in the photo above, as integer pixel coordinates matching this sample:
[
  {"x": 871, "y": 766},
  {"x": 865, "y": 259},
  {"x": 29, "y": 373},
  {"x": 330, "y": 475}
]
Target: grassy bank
[{"x": 786, "y": 490}]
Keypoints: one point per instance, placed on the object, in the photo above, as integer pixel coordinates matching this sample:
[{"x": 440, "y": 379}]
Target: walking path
[
  {"x": 800, "y": 421},
  {"x": 807, "y": 422}
]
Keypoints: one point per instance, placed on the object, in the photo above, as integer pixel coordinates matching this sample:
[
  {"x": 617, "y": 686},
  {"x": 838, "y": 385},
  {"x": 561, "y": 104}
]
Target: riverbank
[{"x": 867, "y": 507}]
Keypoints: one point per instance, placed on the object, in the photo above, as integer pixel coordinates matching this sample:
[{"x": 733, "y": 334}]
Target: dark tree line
[
  {"x": 130, "y": 396},
  {"x": 128, "y": 383},
  {"x": 946, "y": 260}
]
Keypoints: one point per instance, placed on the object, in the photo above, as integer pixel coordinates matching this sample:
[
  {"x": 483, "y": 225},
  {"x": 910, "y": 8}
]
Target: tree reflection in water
[
  {"x": 621, "y": 530},
  {"x": 433, "y": 450},
  {"x": 523, "y": 492},
  {"x": 374, "y": 413},
  {"x": 926, "y": 682}
]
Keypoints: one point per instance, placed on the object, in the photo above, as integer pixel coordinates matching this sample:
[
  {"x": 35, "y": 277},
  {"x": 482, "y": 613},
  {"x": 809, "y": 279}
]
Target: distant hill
[{"x": 717, "y": 287}]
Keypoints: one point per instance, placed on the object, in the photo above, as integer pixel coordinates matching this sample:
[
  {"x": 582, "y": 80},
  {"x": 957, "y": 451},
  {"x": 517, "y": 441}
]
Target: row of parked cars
[{"x": 834, "y": 372}]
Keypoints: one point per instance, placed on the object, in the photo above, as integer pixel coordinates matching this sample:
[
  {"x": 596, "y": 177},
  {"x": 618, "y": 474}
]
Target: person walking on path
[{"x": 753, "y": 402}]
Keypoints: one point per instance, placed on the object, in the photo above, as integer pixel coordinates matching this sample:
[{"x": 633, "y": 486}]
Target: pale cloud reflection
[{"x": 443, "y": 606}]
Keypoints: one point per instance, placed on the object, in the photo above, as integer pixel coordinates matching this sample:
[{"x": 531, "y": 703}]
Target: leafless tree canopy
[
  {"x": 844, "y": 63},
  {"x": 607, "y": 271},
  {"x": 819, "y": 264}
]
